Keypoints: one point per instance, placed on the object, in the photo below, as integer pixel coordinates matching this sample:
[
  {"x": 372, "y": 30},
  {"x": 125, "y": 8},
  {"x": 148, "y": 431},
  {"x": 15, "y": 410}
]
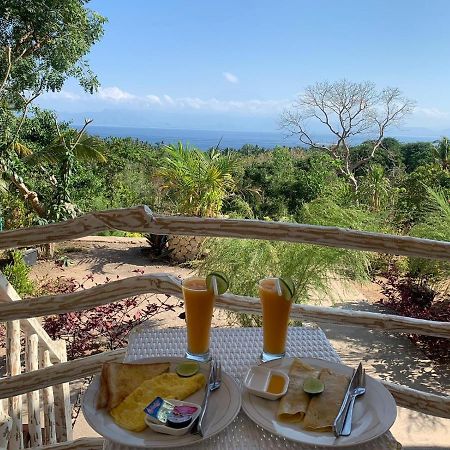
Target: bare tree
[{"x": 346, "y": 109}]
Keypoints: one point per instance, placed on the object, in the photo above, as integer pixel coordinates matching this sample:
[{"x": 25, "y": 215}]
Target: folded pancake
[
  {"x": 130, "y": 413},
  {"x": 293, "y": 405},
  {"x": 323, "y": 408},
  {"x": 118, "y": 380}
]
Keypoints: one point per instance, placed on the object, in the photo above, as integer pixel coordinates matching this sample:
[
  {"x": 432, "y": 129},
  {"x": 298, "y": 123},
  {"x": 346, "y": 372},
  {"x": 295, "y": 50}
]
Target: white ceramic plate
[
  {"x": 224, "y": 405},
  {"x": 374, "y": 412}
]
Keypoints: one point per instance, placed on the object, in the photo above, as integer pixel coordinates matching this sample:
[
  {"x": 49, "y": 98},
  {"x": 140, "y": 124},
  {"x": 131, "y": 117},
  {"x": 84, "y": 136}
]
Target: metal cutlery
[
  {"x": 214, "y": 382},
  {"x": 360, "y": 389},
  {"x": 338, "y": 424}
]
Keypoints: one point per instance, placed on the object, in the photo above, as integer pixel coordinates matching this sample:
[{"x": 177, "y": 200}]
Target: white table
[{"x": 239, "y": 348}]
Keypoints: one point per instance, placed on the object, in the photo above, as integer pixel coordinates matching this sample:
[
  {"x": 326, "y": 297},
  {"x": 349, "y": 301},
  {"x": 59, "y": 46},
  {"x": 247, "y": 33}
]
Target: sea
[{"x": 206, "y": 139}]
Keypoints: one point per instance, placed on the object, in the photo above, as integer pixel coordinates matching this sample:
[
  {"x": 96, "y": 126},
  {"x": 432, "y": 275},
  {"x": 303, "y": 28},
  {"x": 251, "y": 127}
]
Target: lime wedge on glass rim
[
  {"x": 313, "y": 386},
  {"x": 287, "y": 288},
  {"x": 187, "y": 369},
  {"x": 221, "y": 279}
]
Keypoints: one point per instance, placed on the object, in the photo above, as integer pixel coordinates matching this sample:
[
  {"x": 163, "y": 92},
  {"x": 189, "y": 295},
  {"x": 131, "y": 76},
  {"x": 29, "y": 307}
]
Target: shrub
[
  {"x": 414, "y": 297},
  {"x": 17, "y": 274},
  {"x": 104, "y": 327}
]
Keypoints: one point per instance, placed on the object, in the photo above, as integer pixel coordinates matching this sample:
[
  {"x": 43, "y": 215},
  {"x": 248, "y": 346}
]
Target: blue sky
[{"x": 236, "y": 64}]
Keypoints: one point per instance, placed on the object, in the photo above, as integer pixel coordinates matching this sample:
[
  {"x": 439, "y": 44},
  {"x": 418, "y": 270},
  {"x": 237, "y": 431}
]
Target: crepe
[
  {"x": 294, "y": 404},
  {"x": 323, "y": 408},
  {"x": 119, "y": 380},
  {"x": 130, "y": 413}
]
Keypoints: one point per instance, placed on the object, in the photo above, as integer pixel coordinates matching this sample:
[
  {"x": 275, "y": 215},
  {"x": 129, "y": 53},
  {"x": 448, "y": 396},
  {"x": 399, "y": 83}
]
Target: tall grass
[{"x": 310, "y": 266}]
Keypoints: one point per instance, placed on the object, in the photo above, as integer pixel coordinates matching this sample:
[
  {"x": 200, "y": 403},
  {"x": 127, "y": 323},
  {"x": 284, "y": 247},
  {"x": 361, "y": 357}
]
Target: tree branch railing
[
  {"x": 168, "y": 284},
  {"x": 141, "y": 219}
]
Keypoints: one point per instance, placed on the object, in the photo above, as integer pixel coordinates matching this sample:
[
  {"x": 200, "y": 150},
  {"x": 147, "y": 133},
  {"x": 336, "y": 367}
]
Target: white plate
[
  {"x": 224, "y": 405},
  {"x": 374, "y": 412}
]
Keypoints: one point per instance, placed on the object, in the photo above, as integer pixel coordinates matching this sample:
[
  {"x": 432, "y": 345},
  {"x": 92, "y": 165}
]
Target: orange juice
[
  {"x": 275, "y": 317},
  {"x": 198, "y": 304}
]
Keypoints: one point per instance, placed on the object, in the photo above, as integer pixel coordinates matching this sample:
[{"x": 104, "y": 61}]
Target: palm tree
[
  {"x": 375, "y": 187},
  {"x": 441, "y": 152},
  {"x": 196, "y": 182},
  {"x": 68, "y": 147}
]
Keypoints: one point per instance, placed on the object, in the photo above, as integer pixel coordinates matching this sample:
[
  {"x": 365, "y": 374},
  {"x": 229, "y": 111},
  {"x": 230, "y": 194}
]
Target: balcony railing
[{"x": 46, "y": 365}]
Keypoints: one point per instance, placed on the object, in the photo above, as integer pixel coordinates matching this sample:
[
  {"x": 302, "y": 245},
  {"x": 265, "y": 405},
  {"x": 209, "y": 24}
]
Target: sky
[{"x": 236, "y": 64}]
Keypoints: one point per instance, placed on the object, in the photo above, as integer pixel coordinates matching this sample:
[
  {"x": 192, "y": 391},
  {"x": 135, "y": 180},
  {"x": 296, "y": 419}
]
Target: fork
[
  {"x": 214, "y": 382},
  {"x": 360, "y": 389}
]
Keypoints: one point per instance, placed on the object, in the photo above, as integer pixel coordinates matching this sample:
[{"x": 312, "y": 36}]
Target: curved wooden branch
[
  {"x": 141, "y": 219},
  {"x": 57, "y": 374},
  {"x": 419, "y": 401},
  {"x": 170, "y": 285},
  {"x": 93, "y": 443}
]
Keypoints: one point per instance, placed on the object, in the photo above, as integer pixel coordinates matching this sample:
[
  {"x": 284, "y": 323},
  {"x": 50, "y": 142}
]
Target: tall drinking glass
[
  {"x": 276, "y": 309},
  {"x": 198, "y": 304}
]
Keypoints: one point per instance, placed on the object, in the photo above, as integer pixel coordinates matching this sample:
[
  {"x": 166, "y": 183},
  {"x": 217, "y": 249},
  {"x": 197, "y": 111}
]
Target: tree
[
  {"x": 417, "y": 154},
  {"x": 441, "y": 153},
  {"x": 346, "y": 110},
  {"x": 196, "y": 182},
  {"x": 42, "y": 43}
]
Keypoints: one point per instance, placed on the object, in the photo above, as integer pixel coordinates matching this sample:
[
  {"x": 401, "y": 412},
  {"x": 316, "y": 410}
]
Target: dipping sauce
[{"x": 276, "y": 384}]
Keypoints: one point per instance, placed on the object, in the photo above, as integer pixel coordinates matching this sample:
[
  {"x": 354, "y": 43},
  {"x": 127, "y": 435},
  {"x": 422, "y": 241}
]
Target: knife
[
  {"x": 196, "y": 427},
  {"x": 340, "y": 418}
]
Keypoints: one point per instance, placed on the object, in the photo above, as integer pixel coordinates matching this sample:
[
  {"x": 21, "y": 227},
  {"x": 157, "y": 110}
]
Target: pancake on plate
[
  {"x": 293, "y": 405},
  {"x": 323, "y": 408}
]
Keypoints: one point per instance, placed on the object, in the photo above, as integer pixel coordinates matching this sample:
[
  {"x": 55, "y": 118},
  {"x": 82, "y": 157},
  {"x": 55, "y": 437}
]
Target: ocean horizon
[{"x": 206, "y": 139}]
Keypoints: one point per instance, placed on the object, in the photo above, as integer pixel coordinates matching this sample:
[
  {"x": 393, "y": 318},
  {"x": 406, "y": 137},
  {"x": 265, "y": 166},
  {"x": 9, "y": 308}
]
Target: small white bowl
[
  {"x": 174, "y": 431},
  {"x": 257, "y": 381}
]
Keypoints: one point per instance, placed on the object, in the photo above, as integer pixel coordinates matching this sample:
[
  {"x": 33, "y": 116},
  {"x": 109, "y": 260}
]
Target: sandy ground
[{"x": 387, "y": 356}]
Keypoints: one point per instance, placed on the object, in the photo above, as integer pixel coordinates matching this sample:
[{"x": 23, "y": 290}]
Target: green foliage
[
  {"x": 442, "y": 153},
  {"x": 196, "y": 182},
  {"x": 375, "y": 188},
  {"x": 436, "y": 225},
  {"x": 17, "y": 274},
  {"x": 417, "y": 154},
  {"x": 247, "y": 261},
  {"x": 412, "y": 206}
]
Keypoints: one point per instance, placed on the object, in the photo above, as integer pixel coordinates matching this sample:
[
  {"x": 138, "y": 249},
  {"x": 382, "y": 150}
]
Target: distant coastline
[{"x": 205, "y": 139}]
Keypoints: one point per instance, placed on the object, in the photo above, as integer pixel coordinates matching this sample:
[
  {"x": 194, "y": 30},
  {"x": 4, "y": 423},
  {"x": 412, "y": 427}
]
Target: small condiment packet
[{"x": 158, "y": 410}]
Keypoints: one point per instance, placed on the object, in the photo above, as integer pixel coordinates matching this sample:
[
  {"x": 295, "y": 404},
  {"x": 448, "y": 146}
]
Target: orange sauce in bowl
[{"x": 276, "y": 384}]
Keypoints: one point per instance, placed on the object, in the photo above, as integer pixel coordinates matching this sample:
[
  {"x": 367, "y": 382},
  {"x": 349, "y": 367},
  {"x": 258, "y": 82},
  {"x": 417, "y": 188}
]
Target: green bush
[{"x": 17, "y": 274}]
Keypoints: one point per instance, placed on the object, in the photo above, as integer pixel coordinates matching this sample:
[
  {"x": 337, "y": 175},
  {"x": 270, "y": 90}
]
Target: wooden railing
[{"x": 141, "y": 219}]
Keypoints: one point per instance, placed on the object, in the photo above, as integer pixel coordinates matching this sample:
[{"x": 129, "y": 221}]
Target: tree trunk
[{"x": 30, "y": 197}]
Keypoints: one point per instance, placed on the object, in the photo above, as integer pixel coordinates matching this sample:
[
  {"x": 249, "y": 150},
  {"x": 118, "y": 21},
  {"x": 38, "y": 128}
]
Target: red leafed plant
[
  {"x": 414, "y": 297},
  {"x": 104, "y": 327}
]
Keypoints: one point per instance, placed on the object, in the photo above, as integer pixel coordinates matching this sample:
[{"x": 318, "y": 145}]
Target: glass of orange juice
[
  {"x": 276, "y": 300},
  {"x": 198, "y": 304}
]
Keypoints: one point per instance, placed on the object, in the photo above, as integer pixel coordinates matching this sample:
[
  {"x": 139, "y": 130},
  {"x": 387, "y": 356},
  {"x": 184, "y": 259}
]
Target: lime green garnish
[
  {"x": 313, "y": 386},
  {"x": 187, "y": 369},
  {"x": 222, "y": 282},
  {"x": 287, "y": 287}
]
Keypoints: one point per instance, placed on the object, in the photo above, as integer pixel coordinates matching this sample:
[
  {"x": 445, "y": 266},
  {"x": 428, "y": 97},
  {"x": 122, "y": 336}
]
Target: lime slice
[
  {"x": 313, "y": 386},
  {"x": 287, "y": 287},
  {"x": 187, "y": 369},
  {"x": 222, "y": 282}
]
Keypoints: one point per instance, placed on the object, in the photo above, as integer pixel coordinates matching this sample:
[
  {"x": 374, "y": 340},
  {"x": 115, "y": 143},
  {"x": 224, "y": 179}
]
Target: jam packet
[{"x": 158, "y": 410}]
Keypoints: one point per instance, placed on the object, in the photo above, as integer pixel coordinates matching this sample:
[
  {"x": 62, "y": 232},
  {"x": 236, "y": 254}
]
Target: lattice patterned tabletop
[{"x": 239, "y": 348}]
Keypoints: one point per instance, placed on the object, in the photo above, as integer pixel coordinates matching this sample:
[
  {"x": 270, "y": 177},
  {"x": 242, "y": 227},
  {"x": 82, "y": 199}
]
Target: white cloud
[
  {"x": 154, "y": 99},
  {"x": 114, "y": 93},
  {"x": 168, "y": 99},
  {"x": 230, "y": 77},
  {"x": 432, "y": 113}
]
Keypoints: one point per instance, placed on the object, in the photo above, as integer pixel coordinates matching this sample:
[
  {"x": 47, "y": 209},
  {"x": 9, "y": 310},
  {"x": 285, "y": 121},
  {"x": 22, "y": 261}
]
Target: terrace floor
[{"x": 389, "y": 356}]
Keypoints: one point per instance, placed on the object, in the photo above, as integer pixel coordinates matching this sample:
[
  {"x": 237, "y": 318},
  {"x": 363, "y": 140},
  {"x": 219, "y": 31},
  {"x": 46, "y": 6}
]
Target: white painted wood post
[
  {"x": 33, "y": 398},
  {"x": 13, "y": 368},
  {"x": 48, "y": 402},
  {"x": 5, "y": 426},
  {"x": 63, "y": 407}
]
